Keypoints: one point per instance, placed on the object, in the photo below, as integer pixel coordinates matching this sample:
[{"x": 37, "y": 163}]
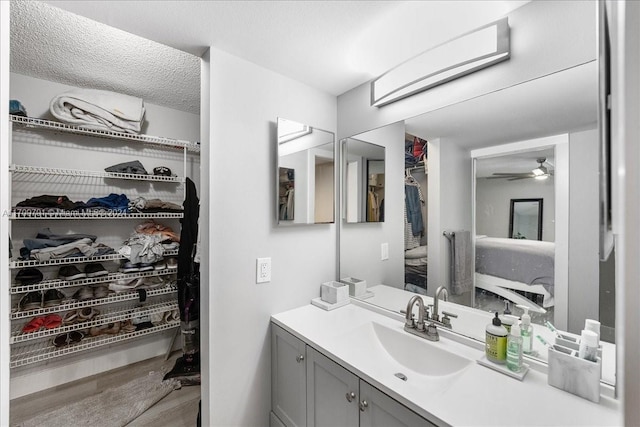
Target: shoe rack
[{"x": 28, "y": 348}]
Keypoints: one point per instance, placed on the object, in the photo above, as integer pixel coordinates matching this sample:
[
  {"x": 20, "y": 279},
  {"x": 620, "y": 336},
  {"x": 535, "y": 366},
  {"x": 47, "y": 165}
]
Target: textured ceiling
[
  {"x": 52, "y": 44},
  {"x": 333, "y": 46}
]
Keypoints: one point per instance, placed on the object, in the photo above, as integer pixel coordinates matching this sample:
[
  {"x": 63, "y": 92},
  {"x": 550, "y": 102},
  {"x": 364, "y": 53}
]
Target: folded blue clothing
[
  {"x": 113, "y": 202},
  {"x": 16, "y": 108}
]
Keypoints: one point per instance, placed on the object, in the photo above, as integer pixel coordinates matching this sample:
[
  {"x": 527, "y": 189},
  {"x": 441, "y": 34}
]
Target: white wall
[
  {"x": 245, "y": 102},
  {"x": 493, "y": 204},
  {"x": 360, "y": 242},
  {"x": 546, "y": 37},
  {"x": 28, "y": 149},
  {"x": 584, "y": 265},
  {"x": 449, "y": 202}
]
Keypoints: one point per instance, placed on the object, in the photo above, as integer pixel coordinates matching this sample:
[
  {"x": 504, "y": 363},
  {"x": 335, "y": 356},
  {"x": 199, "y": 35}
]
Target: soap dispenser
[
  {"x": 514, "y": 349},
  {"x": 526, "y": 331},
  {"x": 506, "y": 318},
  {"x": 496, "y": 341}
]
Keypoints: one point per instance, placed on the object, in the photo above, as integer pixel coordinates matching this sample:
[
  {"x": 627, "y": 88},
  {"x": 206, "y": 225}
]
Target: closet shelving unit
[{"x": 34, "y": 347}]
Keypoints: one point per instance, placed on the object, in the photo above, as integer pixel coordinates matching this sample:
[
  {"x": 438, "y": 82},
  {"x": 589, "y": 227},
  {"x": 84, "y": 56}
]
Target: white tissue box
[
  {"x": 573, "y": 374},
  {"x": 357, "y": 287},
  {"x": 333, "y": 292}
]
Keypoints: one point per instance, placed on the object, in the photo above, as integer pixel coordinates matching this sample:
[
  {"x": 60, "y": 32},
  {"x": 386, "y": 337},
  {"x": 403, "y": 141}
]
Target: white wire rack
[
  {"x": 169, "y": 143},
  {"x": 42, "y": 170},
  {"x": 59, "y": 283},
  {"x": 32, "y": 214},
  {"x": 41, "y": 351},
  {"x": 118, "y": 314},
  {"x": 76, "y": 260},
  {"x": 72, "y": 304}
]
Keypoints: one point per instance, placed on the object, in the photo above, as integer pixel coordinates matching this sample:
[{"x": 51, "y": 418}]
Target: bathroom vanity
[{"x": 353, "y": 366}]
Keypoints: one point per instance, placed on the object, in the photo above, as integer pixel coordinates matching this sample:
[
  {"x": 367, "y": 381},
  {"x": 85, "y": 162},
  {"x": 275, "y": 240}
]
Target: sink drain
[{"x": 402, "y": 376}]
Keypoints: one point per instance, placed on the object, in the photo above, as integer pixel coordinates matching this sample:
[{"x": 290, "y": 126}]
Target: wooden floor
[{"x": 179, "y": 408}]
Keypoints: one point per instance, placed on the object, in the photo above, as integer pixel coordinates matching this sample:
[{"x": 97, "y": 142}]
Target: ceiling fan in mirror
[{"x": 541, "y": 172}]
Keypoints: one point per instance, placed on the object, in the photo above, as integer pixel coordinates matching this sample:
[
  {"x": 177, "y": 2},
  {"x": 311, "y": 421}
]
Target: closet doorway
[{"x": 415, "y": 214}]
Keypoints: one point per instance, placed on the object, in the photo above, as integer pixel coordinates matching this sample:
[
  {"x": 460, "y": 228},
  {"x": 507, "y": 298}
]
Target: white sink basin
[{"x": 421, "y": 356}]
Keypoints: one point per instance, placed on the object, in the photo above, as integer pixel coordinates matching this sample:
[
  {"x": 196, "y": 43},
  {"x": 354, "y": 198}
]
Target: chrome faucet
[
  {"x": 435, "y": 316},
  {"x": 429, "y": 331},
  {"x": 409, "y": 322}
]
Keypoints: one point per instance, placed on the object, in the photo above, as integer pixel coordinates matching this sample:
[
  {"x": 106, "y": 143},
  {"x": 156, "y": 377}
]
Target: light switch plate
[
  {"x": 384, "y": 251},
  {"x": 263, "y": 270}
]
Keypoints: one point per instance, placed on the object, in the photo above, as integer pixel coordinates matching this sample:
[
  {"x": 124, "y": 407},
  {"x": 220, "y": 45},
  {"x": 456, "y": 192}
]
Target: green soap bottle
[{"x": 496, "y": 341}]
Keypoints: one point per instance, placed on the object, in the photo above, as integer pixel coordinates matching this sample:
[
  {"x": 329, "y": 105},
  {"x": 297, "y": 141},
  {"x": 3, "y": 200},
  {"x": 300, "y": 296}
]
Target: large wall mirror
[
  {"x": 481, "y": 154},
  {"x": 305, "y": 178}
]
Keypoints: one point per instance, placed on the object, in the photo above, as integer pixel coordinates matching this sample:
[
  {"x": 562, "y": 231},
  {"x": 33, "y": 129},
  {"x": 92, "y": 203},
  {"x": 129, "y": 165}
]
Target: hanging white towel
[{"x": 99, "y": 110}]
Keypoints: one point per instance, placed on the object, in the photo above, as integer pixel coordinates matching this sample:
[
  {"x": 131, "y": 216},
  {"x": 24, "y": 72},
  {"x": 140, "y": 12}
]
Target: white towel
[
  {"x": 99, "y": 110},
  {"x": 462, "y": 280}
]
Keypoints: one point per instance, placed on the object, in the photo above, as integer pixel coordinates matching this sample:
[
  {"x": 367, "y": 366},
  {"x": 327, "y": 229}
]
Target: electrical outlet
[
  {"x": 384, "y": 251},
  {"x": 263, "y": 270}
]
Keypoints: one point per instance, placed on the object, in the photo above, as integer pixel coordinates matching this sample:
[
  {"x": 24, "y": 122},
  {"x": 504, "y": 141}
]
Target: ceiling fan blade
[
  {"x": 515, "y": 178},
  {"x": 513, "y": 174}
]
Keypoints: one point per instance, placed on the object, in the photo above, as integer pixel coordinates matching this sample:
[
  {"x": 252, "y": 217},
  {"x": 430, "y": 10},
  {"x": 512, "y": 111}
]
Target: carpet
[{"x": 115, "y": 406}]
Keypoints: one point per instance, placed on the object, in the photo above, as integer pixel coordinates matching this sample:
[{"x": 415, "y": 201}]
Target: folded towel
[
  {"x": 462, "y": 280},
  {"x": 99, "y": 110}
]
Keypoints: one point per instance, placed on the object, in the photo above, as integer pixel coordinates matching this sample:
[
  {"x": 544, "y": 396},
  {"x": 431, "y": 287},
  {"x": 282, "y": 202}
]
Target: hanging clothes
[{"x": 414, "y": 201}]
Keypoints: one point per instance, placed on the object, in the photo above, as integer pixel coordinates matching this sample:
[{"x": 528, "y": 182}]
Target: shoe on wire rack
[
  {"x": 129, "y": 267},
  {"x": 71, "y": 272}
]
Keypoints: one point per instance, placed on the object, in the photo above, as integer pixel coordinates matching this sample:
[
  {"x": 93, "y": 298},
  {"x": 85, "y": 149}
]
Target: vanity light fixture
[{"x": 463, "y": 55}]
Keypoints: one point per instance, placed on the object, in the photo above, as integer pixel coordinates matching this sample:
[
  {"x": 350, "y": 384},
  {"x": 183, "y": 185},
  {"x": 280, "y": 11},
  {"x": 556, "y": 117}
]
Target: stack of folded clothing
[
  {"x": 147, "y": 244},
  {"x": 99, "y": 110},
  {"x": 48, "y": 245},
  {"x": 118, "y": 203},
  {"x": 112, "y": 203},
  {"x": 140, "y": 204},
  {"x": 46, "y": 203}
]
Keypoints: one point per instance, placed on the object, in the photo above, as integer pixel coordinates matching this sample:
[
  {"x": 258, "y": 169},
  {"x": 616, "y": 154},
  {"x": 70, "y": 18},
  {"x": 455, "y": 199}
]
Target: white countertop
[
  {"x": 471, "y": 323},
  {"x": 473, "y": 397}
]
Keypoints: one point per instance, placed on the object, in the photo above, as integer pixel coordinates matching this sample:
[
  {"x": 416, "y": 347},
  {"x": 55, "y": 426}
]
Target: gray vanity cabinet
[
  {"x": 310, "y": 389},
  {"x": 332, "y": 393},
  {"x": 288, "y": 379},
  {"x": 379, "y": 410}
]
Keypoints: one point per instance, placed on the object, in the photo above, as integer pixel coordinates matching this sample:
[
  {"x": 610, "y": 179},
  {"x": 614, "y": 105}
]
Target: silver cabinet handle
[
  {"x": 455, "y": 316},
  {"x": 300, "y": 358},
  {"x": 351, "y": 396},
  {"x": 363, "y": 405}
]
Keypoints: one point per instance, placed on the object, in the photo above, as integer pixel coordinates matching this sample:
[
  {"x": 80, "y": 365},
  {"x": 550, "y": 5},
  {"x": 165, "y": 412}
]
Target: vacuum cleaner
[{"x": 187, "y": 367}]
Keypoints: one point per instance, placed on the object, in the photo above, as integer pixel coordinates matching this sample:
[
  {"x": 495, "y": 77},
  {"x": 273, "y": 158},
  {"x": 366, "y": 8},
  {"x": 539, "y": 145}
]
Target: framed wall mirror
[
  {"x": 525, "y": 219},
  {"x": 305, "y": 174}
]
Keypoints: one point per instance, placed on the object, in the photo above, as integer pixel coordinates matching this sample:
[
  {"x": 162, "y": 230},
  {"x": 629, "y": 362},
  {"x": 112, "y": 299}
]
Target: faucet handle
[
  {"x": 432, "y": 332},
  {"x": 410, "y": 322},
  {"x": 446, "y": 321},
  {"x": 428, "y": 309}
]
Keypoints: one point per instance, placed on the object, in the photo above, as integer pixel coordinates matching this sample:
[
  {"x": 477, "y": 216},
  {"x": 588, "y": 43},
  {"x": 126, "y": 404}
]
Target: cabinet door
[
  {"x": 332, "y": 393},
  {"x": 288, "y": 378},
  {"x": 378, "y": 409}
]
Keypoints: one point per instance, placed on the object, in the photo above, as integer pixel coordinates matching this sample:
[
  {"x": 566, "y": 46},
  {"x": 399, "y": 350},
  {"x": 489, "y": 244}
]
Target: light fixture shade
[{"x": 463, "y": 55}]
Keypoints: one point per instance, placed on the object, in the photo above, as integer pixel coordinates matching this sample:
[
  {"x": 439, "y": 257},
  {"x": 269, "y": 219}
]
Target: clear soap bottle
[
  {"x": 526, "y": 330},
  {"x": 514, "y": 349}
]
